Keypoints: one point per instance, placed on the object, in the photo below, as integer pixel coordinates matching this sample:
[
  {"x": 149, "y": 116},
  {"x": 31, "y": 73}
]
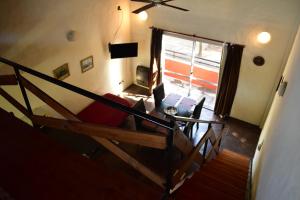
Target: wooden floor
[{"x": 224, "y": 178}]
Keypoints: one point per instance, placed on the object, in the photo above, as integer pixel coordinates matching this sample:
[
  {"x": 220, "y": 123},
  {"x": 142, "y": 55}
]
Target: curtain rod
[{"x": 196, "y": 36}]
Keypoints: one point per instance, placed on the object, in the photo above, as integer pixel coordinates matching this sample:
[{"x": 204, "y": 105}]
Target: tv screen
[{"x": 123, "y": 50}]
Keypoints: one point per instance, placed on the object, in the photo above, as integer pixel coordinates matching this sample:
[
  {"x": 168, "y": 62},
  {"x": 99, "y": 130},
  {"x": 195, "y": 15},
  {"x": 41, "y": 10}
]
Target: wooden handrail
[{"x": 121, "y": 135}]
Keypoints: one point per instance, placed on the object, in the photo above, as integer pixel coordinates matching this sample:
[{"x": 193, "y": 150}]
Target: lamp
[
  {"x": 143, "y": 16},
  {"x": 263, "y": 37}
]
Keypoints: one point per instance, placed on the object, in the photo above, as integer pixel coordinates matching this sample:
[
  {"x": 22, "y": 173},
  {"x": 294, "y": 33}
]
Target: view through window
[{"x": 191, "y": 67}]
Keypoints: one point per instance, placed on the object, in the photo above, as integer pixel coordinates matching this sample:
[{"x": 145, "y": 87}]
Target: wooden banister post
[
  {"x": 169, "y": 150},
  {"x": 23, "y": 91},
  {"x": 204, "y": 150}
]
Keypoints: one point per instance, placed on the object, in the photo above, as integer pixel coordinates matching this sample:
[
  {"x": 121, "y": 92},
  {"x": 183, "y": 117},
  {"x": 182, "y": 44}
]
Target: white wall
[
  {"x": 276, "y": 167},
  {"x": 33, "y": 33},
  {"x": 238, "y": 22}
]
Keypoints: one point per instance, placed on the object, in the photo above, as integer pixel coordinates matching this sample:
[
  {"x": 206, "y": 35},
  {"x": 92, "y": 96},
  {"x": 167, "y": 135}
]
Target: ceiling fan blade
[
  {"x": 166, "y": 1},
  {"x": 144, "y": 1},
  {"x": 144, "y": 8},
  {"x": 183, "y": 9}
]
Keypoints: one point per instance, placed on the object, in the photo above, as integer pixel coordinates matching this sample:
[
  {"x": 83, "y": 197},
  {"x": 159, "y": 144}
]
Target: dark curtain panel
[
  {"x": 156, "y": 46},
  {"x": 229, "y": 80}
]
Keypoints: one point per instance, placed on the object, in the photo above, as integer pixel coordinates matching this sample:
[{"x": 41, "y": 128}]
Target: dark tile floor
[{"x": 242, "y": 137}]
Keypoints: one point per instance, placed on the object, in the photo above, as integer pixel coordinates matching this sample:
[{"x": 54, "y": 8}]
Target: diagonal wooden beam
[
  {"x": 95, "y": 130},
  {"x": 14, "y": 102},
  {"x": 8, "y": 80},
  {"x": 216, "y": 145},
  {"x": 180, "y": 174},
  {"x": 185, "y": 145},
  {"x": 48, "y": 100},
  {"x": 131, "y": 161}
]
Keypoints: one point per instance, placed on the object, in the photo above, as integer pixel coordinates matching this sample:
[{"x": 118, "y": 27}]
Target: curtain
[
  {"x": 155, "y": 58},
  {"x": 229, "y": 80}
]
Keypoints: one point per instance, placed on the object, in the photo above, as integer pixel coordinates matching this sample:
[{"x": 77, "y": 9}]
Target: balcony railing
[{"x": 187, "y": 58}]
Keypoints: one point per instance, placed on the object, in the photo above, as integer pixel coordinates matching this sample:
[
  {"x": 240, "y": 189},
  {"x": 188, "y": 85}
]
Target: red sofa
[{"x": 100, "y": 113}]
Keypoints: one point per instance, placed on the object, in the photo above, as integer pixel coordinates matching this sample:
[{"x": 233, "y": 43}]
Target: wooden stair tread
[
  {"x": 234, "y": 155},
  {"x": 224, "y": 177},
  {"x": 220, "y": 185}
]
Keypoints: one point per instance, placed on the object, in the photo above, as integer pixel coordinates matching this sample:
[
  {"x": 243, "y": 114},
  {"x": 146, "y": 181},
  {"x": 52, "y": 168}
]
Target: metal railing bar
[
  {"x": 88, "y": 94},
  {"x": 173, "y": 54},
  {"x": 187, "y": 119},
  {"x": 193, "y": 77}
]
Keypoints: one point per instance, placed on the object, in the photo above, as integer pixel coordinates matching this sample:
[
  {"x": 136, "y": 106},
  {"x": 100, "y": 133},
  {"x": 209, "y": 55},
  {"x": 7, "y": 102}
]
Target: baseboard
[{"x": 249, "y": 182}]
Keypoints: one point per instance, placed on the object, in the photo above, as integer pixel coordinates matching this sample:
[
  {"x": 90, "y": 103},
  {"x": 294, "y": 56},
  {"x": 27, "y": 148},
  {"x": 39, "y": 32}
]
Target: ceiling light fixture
[
  {"x": 264, "y": 37},
  {"x": 143, "y": 16}
]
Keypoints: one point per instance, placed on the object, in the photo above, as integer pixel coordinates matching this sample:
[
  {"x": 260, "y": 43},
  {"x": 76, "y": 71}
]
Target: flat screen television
[{"x": 123, "y": 50}]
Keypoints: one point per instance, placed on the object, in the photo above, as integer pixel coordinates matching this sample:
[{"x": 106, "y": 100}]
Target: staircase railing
[
  {"x": 17, "y": 67},
  {"x": 104, "y": 135}
]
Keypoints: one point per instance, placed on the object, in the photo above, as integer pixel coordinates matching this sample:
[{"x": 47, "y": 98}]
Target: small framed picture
[
  {"x": 62, "y": 72},
  {"x": 86, "y": 64}
]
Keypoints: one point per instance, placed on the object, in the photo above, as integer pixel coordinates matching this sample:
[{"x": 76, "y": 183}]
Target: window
[{"x": 192, "y": 67}]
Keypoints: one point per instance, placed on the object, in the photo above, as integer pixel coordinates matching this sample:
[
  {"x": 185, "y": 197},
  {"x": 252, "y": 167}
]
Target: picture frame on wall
[
  {"x": 86, "y": 64},
  {"x": 62, "y": 72}
]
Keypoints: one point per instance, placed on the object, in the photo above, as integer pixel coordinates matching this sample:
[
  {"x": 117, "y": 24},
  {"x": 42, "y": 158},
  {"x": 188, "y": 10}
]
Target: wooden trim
[
  {"x": 8, "y": 80},
  {"x": 48, "y": 100},
  {"x": 185, "y": 145},
  {"x": 14, "y": 102},
  {"x": 131, "y": 161},
  {"x": 141, "y": 138},
  {"x": 180, "y": 174}
]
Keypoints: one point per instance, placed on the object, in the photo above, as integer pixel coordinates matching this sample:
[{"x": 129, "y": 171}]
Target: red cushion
[{"x": 99, "y": 113}]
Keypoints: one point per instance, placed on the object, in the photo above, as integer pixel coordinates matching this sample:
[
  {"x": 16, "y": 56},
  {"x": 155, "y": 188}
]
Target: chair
[
  {"x": 188, "y": 130},
  {"x": 159, "y": 94},
  {"x": 139, "y": 106},
  {"x": 197, "y": 110}
]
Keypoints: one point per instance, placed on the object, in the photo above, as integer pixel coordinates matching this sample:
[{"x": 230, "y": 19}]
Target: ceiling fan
[{"x": 153, "y": 3}]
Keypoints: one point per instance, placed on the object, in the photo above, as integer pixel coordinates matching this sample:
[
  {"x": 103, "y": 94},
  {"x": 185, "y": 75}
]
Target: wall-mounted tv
[{"x": 123, "y": 50}]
